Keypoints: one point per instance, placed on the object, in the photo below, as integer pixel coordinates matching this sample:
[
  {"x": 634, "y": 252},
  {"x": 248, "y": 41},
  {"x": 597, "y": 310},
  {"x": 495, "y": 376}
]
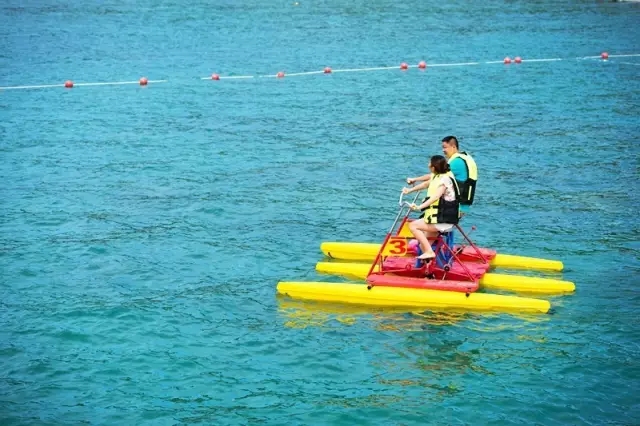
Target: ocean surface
[{"x": 143, "y": 230}]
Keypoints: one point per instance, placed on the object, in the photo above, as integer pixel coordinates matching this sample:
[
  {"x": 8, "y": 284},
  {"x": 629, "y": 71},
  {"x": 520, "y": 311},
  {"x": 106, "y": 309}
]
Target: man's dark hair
[{"x": 451, "y": 139}]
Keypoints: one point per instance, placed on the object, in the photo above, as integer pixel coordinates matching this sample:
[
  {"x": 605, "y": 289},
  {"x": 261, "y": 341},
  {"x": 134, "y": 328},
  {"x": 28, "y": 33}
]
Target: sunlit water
[{"x": 144, "y": 229}]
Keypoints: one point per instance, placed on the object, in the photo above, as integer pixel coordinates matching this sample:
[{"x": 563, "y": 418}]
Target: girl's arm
[
  {"x": 439, "y": 193},
  {"x": 422, "y": 178},
  {"x": 418, "y": 187}
]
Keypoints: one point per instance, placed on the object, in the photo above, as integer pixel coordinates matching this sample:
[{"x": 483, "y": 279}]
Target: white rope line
[
  {"x": 107, "y": 83},
  {"x": 229, "y": 77},
  {"x": 41, "y": 86},
  {"x": 113, "y": 83},
  {"x": 610, "y": 56},
  {"x": 367, "y": 69},
  {"x": 282, "y": 74},
  {"x": 304, "y": 73},
  {"x": 461, "y": 64},
  {"x": 236, "y": 77},
  {"x": 542, "y": 60}
]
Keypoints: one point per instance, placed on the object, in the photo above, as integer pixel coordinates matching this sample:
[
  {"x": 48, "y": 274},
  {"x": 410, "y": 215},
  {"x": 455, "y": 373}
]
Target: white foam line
[
  {"x": 629, "y": 63},
  {"x": 494, "y": 62},
  {"x": 461, "y": 64},
  {"x": 42, "y": 86},
  {"x": 397, "y": 67},
  {"x": 590, "y": 57},
  {"x": 542, "y": 60}
]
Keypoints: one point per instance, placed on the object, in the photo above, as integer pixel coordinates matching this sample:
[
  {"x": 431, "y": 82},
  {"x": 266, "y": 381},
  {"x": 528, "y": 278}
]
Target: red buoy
[
  {"x": 422, "y": 65},
  {"x": 604, "y": 56},
  {"x": 68, "y": 84},
  {"x": 215, "y": 77},
  {"x": 280, "y": 74},
  {"x": 404, "y": 66},
  {"x": 143, "y": 81},
  {"x": 517, "y": 60},
  {"x": 327, "y": 70},
  {"x": 507, "y": 60}
]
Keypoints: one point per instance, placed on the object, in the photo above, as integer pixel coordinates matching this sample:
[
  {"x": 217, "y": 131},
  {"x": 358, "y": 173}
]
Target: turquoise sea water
[{"x": 143, "y": 230}]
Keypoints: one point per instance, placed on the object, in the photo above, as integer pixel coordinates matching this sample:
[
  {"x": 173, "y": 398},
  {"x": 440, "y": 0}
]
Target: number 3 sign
[{"x": 396, "y": 246}]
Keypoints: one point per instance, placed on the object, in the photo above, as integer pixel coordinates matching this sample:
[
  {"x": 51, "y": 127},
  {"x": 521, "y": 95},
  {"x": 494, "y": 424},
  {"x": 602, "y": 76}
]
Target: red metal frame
[
  {"x": 442, "y": 245},
  {"x": 475, "y": 248},
  {"x": 478, "y": 254},
  {"x": 403, "y": 205},
  {"x": 379, "y": 260},
  {"x": 426, "y": 269}
]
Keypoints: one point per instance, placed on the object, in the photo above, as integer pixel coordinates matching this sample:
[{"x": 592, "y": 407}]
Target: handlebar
[
  {"x": 405, "y": 203},
  {"x": 402, "y": 204}
]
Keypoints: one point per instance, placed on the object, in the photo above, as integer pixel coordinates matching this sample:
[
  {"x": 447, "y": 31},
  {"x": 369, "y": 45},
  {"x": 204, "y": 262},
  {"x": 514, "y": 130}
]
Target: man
[{"x": 464, "y": 170}]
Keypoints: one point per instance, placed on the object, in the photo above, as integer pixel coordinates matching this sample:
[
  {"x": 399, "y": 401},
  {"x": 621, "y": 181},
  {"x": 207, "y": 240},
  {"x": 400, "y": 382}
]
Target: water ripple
[{"x": 143, "y": 230}]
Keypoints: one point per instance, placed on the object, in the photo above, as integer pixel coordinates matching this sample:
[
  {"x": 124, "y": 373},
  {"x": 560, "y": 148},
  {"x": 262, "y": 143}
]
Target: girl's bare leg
[{"x": 418, "y": 228}]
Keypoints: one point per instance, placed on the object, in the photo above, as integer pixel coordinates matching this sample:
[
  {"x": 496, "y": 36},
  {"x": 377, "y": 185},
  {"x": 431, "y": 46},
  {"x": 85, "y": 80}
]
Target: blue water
[{"x": 144, "y": 229}]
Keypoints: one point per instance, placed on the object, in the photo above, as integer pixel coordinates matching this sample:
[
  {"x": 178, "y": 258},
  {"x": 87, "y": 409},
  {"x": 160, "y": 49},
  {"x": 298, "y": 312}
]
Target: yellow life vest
[
  {"x": 442, "y": 211},
  {"x": 468, "y": 187}
]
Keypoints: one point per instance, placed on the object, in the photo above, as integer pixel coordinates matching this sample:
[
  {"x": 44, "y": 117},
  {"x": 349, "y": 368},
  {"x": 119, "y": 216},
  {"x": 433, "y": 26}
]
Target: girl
[{"x": 441, "y": 209}]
